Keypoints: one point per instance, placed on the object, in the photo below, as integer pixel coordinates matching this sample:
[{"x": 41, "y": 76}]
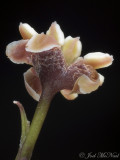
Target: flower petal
[
  {"x": 40, "y": 43},
  {"x": 68, "y": 95},
  {"x": 101, "y": 77},
  {"x": 98, "y": 59},
  {"x": 33, "y": 84},
  {"x": 16, "y": 52},
  {"x": 71, "y": 49},
  {"x": 56, "y": 32},
  {"x": 26, "y": 31},
  {"x": 85, "y": 85}
]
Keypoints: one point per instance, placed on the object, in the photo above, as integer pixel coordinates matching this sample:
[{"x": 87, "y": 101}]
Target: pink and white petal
[
  {"x": 41, "y": 42},
  {"x": 26, "y": 31},
  {"x": 98, "y": 59},
  {"x": 33, "y": 84},
  {"x": 85, "y": 85},
  {"x": 68, "y": 95},
  {"x": 71, "y": 49},
  {"x": 56, "y": 32},
  {"x": 16, "y": 52}
]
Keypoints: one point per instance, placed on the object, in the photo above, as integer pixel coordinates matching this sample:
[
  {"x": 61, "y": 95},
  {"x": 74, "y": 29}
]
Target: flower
[{"x": 56, "y": 62}]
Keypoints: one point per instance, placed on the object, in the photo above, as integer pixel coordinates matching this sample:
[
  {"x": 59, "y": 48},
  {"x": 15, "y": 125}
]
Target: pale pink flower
[{"x": 56, "y": 62}]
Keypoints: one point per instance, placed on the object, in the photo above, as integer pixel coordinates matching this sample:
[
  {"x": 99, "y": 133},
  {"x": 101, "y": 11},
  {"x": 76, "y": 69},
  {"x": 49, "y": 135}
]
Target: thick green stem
[{"x": 36, "y": 125}]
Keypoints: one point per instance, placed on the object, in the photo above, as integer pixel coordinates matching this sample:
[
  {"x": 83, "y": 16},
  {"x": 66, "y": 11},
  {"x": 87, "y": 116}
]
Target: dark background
[{"x": 91, "y": 122}]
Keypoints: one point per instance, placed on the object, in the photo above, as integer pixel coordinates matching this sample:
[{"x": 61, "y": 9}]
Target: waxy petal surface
[
  {"x": 102, "y": 78},
  {"x": 68, "y": 95},
  {"x": 71, "y": 49},
  {"x": 56, "y": 32},
  {"x": 41, "y": 42},
  {"x": 16, "y": 52},
  {"x": 98, "y": 59},
  {"x": 26, "y": 31}
]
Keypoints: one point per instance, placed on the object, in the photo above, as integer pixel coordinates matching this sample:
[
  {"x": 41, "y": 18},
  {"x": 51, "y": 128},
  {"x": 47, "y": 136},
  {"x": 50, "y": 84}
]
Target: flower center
[
  {"x": 54, "y": 73},
  {"x": 50, "y": 66}
]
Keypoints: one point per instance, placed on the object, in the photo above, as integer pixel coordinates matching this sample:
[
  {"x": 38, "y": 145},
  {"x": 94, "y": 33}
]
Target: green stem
[{"x": 35, "y": 128}]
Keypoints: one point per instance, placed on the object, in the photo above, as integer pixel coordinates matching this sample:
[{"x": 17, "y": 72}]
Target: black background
[{"x": 91, "y": 122}]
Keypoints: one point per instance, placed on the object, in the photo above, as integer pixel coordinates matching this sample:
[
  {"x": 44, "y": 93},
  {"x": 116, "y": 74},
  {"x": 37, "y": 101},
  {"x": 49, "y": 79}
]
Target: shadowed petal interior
[
  {"x": 33, "y": 84},
  {"x": 86, "y": 85}
]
